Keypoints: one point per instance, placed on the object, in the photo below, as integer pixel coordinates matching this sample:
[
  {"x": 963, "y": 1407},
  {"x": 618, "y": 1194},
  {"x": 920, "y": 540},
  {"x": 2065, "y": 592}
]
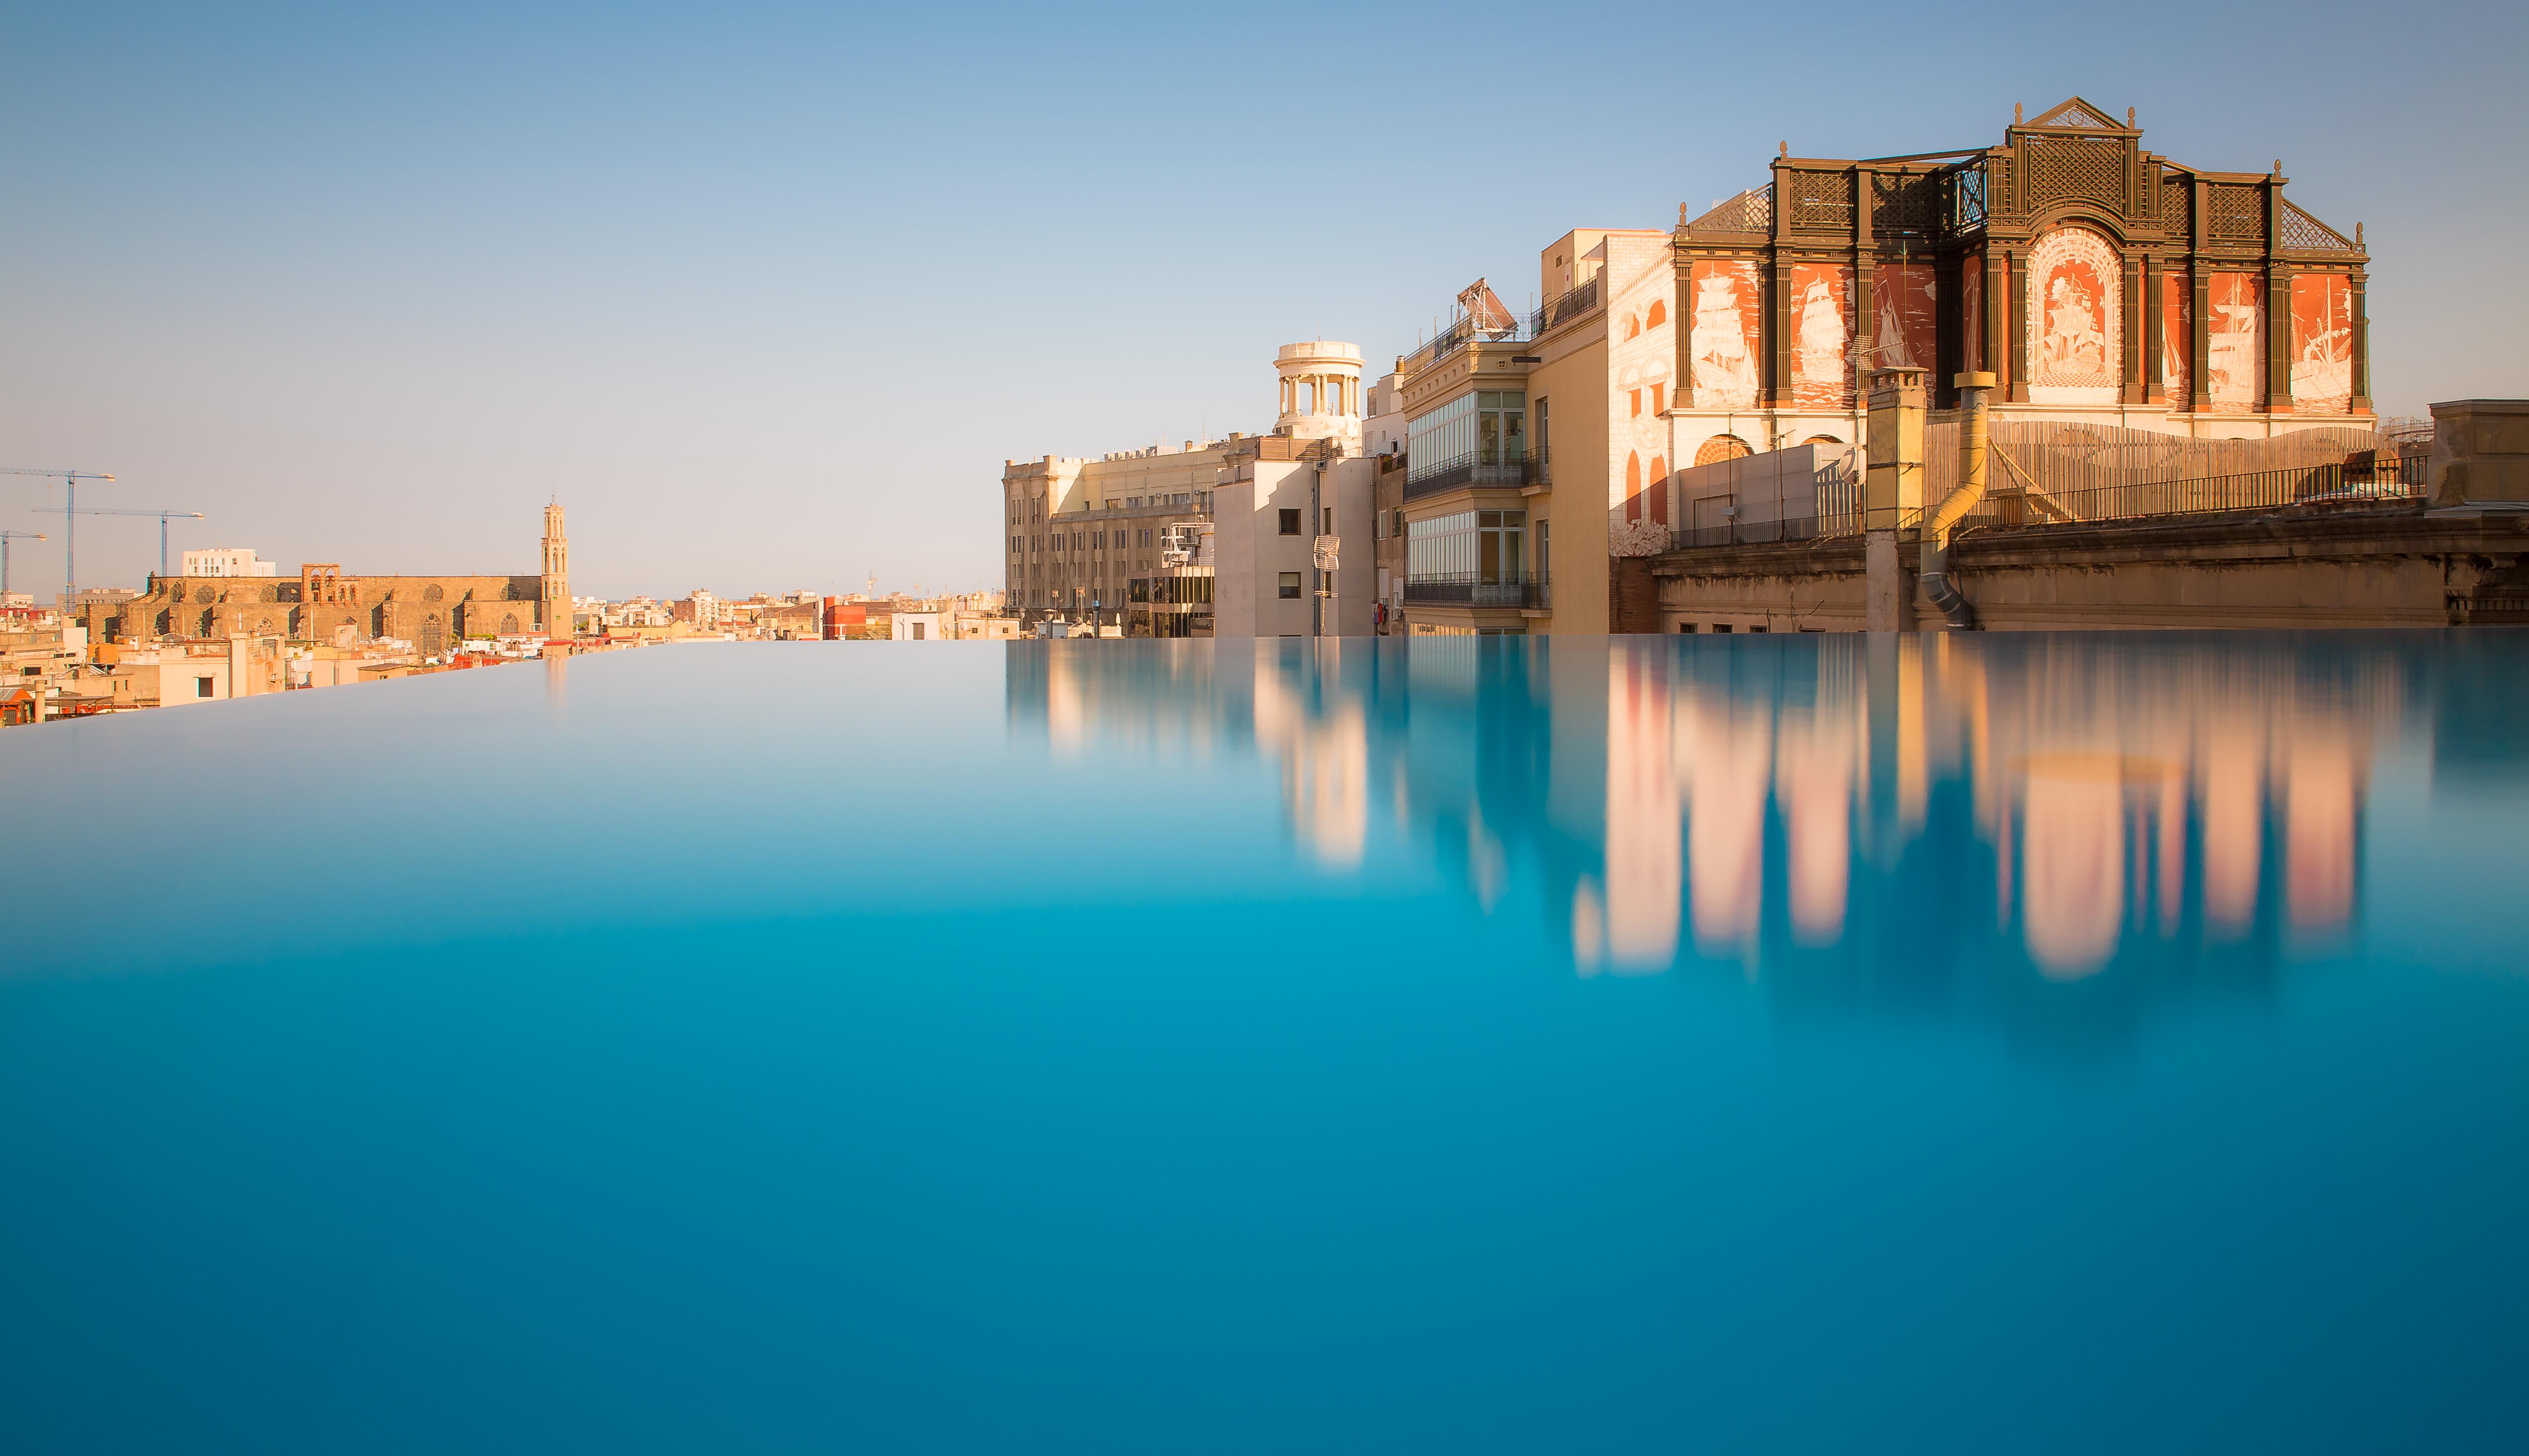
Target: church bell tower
[{"x": 556, "y": 581}]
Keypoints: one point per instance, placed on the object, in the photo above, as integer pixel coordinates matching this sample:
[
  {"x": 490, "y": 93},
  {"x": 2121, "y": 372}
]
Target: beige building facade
[{"x": 1222, "y": 537}]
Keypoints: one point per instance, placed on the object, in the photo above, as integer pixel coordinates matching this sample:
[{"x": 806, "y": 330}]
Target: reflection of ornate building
[
  {"x": 2119, "y": 799},
  {"x": 2101, "y": 281},
  {"x": 324, "y": 605}
]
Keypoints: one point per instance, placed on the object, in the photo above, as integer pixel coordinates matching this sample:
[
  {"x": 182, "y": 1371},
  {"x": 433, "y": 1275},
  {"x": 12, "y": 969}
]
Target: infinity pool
[{"x": 2046, "y": 1044}]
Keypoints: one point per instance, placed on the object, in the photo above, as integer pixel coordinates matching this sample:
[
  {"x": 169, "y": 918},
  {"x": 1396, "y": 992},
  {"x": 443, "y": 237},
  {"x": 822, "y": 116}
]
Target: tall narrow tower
[{"x": 557, "y": 585}]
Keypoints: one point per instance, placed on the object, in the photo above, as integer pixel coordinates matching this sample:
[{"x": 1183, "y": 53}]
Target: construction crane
[
  {"x": 69, "y": 543},
  {"x": 163, "y": 517},
  {"x": 5, "y": 538}
]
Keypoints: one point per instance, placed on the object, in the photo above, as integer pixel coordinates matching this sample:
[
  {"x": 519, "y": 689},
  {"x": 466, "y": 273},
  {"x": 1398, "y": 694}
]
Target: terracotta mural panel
[
  {"x": 1727, "y": 332},
  {"x": 1907, "y": 333},
  {"x": 2075, "y": 323},
  {"x": 2322, "y": 318},
  {"x": 2234, "y": 347},
  {"x": 1821, "y": 336},
  {"x": 2176, "y": 336}
]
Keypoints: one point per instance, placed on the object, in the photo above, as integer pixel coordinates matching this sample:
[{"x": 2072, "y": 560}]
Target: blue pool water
[{"x": 2017, "y": 1043}]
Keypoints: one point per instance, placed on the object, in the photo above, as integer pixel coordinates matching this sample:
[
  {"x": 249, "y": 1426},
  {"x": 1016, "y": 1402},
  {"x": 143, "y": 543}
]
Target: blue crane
[
  {"x": 70, "y": 546},
  {"x": 163, "y": 517},
  {"x": 5, "y": 538}
]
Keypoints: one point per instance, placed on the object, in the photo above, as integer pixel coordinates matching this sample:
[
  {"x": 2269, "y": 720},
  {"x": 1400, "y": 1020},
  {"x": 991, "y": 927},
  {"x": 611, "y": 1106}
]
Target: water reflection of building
[
  {"x": 2116, "y": 797},
  {"x": 1941, "y": 821}
]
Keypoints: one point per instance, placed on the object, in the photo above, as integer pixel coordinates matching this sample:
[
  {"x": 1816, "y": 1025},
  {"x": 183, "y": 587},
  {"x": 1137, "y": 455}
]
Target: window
[
  {"x": 1490, "y": 425},
  {"x": 1290, "y": 527},
  {"x": 1685, "y": 627},
  {"x": 1659, "y": 397},
  {"x": 917, "y": 631},
  {"x": 1290, "y": 586},
  {"x": 201, "y": 687},
  {"x": 1657, "y": 316},
  {"x": 1474, "y": 546},
  {"x": 1328, "y": 526},
  {"x": 1721, "y": 626},
  {"x": 1722, "y": 448},
  {"x": 1634, "y": 400}
]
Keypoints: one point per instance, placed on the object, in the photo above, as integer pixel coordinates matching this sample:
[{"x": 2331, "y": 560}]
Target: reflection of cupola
[{"x": 1320, "y": 390}]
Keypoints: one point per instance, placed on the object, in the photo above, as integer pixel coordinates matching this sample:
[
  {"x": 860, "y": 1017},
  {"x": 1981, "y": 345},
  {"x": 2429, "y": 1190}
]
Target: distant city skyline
[{"x": 765, "y": 296}]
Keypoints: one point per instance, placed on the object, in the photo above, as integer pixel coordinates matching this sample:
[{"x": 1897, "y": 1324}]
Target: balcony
[
  {"x": 1464, "y": 589},
  {"x": 1564, "y": 306},
  {"x": 1465, "y": 330},
  {"x": 1479, "y": 470}
]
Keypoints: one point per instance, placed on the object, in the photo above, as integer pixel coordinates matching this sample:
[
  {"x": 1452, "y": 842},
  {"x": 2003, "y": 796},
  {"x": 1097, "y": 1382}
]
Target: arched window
[
  {"x": 1821, "y": 440},
  {"x": 1633, "y": 485},
  {"x": 1722, "y": 448},
  {"x": 1657, "y": 316},
  {"x": 1659, "y": 490},
  {"x": 1633, "y": 326}
]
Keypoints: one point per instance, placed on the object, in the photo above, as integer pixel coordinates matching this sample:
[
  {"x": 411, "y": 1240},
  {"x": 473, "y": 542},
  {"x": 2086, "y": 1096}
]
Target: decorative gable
[{"x": 2074, "y": 112}]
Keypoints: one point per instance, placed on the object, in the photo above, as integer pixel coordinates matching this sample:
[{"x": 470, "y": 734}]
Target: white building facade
[{"x": 227, "y": 561}]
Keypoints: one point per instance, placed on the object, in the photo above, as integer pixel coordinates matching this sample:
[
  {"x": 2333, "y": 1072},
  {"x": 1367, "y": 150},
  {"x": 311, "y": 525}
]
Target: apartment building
[
  {"x": 1235, "y": 537},
  {"x": 1472, "y": 481},
  {"x": 1079, "y": 531}
]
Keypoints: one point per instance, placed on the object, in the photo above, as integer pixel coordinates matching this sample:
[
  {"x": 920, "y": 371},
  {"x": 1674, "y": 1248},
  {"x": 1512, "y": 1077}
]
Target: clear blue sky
[{"x": 765, "y": 294}]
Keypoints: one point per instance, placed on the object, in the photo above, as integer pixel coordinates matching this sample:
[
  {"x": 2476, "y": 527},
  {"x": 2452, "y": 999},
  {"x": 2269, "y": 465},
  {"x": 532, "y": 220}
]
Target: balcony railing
[
  {"x": 2386, "y": 481},
  {"x": 1571, "y": 303},
  {"x": 1476, "y": 469},
  {"x": 1763, "y": 532},
  {"x": 2396, "y": 480},
  {"x": 1468, "y": 589},
  {"x": 1455, "y": 335}
]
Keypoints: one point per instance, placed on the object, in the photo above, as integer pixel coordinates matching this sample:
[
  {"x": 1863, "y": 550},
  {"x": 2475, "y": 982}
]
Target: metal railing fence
[
  {"x": 1476, "y": 469},
  {"x": 1470, "y": 589}
]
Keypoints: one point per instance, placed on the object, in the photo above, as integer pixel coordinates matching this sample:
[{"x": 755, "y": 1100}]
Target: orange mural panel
[
  {"x": 2075, "y": 336},
  {"x": 1821, "y": 336},
  {"x": 2176, "y": 336},
  {"x": 1726, "y": 332},
  {"x": 2234, "y": 347},
  {"x": 2322, "y": 322},
  {"x": 1907, "y": 334}
]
